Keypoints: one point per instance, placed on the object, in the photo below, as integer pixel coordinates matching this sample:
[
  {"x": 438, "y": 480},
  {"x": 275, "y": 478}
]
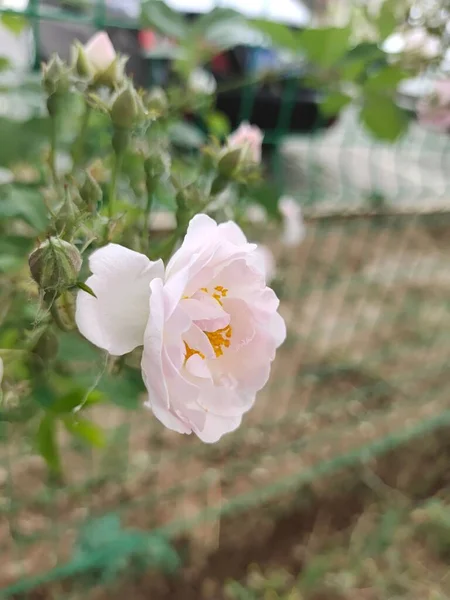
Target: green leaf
[
  {"x": 82, "y": 286},
  {"x": 218, "y": 124},
  {"x": 326, "y": 46},
  {"x": 46, "y": 443},
  {"x": 78, "y": 397},
  {"x": 333, "y": 103},
  {"x": 280, "y": 35},
  {"x": 383, "y": 118},
  {"x": 85, "y": 430},
  {"x": 15, "y": 23},
  {"x": 18, "y": 202},
  {"x": 387, "y": 78},
  {"x": 155, "y": 13}
]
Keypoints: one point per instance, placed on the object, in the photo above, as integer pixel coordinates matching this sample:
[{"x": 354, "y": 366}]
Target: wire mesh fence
[{"x": 364, "y": 368}]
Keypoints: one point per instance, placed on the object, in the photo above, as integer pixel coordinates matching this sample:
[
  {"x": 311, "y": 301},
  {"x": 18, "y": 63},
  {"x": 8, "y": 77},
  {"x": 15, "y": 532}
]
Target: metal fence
[{"x": 363, "y": 371}]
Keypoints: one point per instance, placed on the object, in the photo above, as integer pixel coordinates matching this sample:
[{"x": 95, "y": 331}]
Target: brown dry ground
[{"x": 367, "y": 307}]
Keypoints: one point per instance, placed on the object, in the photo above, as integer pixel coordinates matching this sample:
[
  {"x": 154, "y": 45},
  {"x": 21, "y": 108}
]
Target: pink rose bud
[
  {"x": 100, "y": 52},
  {"x": 435, "y": 110},
  {"x": 249, "y": 138}
]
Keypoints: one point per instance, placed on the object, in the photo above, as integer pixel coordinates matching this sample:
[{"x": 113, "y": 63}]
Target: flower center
[
  {"x": 218, "y": 339},
  {"x": 190, "y": 352},
  {"x": 219, "y": 292}
]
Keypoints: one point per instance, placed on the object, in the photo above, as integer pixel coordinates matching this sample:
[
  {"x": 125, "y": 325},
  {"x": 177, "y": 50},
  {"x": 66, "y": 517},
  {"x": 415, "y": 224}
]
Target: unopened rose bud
[
  {"x": 81, "y": 62},
  {"x": 156, "y": 102},
  {"x": 55, "y": 265},
  {"x": 68, "y": 215},
  {"x": 91, "y": 192},
  {"x": 127, "y": 108},
  {"x": 157, "y": 165},
  {"x": 55, "y": 76},
  {"x": 249, "y": 139},
  {"x": 230, "y": 162},
  {"x": 99, "y": 52}
]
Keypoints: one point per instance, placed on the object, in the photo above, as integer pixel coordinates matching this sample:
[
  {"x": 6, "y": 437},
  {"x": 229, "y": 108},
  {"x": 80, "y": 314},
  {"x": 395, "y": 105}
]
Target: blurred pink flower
[
  {"x": 293, "y": 225},
  {"x": 100, "y": 51},
  {"x": 435, "y": 110},
  {"x": 249, "y": 137},
  {"x": 209, "y": 325}
]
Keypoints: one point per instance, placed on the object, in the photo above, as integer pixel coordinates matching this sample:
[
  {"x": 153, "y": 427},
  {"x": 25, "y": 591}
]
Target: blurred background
[{"x": 337, "y": 485}]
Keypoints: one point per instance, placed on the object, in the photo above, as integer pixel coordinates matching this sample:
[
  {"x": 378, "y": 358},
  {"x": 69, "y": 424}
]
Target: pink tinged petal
[
  {"x": 227, "y": 400},
  {"x": 197, "y": 340},
  {"x": 168, "y": 418},
  {"x": 206, "y": 312},
  {"x": 201, "y": 228},
  {"x": 152, "y": 362},
  {"x": 100, "y": 51},
  {"x": 215, "y": 427},
  {"x": 116, "y": 319},
  {"x": 277, "y": 329},
  {"x": 198, "y": 367},
  {"x": 232, "y": 233}
]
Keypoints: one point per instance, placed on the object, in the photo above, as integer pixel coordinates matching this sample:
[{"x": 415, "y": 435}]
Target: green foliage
[
  {"x": 334, "y": 103},
  {"x": 26, "y": 204},
  {"x": 383, "y": 117},
  {"x": 84, "y": 430},
  {"x": 14, "y": 23},
  {"x": 325, "y": 46},
  {"x": 46, "y": 443}
]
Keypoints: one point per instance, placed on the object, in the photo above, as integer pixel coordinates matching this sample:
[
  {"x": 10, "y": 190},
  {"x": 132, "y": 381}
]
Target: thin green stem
[
  {"x": 117, "y": 164},
  {"x": 52, "y": 156},
  {"x": 78, "y": 146}
]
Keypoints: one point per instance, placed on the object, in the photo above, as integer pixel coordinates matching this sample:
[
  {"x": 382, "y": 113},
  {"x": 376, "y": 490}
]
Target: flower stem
[
  {"x": 52, "y": 155},
  {"x": 117, "y": 163},
  {"x": 78, "y": 146}
]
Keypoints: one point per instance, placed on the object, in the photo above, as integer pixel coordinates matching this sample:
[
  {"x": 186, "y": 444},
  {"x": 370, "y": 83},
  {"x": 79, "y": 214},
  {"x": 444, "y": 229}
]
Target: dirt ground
[{"x": 367, "y": 307}]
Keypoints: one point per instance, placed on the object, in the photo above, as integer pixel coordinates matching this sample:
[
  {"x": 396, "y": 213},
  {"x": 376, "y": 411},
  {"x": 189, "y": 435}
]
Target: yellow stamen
[
  {"x": 218, "y": 339},
  {"x": 190, "y": 352}
]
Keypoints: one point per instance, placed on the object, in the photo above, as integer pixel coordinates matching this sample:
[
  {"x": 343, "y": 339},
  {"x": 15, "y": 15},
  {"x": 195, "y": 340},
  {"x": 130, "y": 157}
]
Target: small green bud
[
  {"x": 156, "y": 102},
  {"x": 157, "y": 165},
  {"x": 55, "y": 76},
  {"x": 127, "y": 108},
  {"x": 91, "y": 192},
  {"x": 55, "y": 265},
  {"x": 229, "y": 162},
  {"x": 67, "y": 217},
  {"x": 81, "y": 62}
]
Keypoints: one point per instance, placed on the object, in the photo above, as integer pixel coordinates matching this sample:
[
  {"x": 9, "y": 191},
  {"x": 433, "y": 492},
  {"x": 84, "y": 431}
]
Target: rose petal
[{"x": 116, "y": 319}]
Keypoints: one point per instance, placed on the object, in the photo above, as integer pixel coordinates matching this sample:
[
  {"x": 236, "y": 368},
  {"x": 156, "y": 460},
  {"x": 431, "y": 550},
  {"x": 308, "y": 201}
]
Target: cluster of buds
[{"x": 97, "y": 62}]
